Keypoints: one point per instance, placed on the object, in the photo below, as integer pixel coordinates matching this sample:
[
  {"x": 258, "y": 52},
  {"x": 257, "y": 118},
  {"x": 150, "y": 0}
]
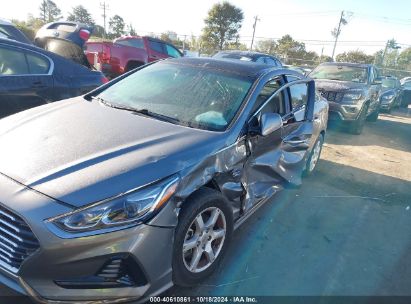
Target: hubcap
[
  {"x": 315, "y": 155},
  {"x": 204, "y": 239}
]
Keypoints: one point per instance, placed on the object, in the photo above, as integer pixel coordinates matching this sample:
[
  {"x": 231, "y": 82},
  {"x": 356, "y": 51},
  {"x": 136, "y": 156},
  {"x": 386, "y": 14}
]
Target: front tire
[
  {"x": 201, "y": 238},
  {"x": 374, "y": 115},
  {"x": 314, "y": 156},
  {"x": 358, "y": 125}
]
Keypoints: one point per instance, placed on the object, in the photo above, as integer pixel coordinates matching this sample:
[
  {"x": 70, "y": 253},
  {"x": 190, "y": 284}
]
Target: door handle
[
  {"x": 38, "y": 84},
  {"x": 294, "y": 142}
]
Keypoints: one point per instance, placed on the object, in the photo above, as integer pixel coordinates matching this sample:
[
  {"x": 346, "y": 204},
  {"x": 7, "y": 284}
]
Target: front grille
[
  {"x": 17, "y": 241},
  {"x": 332, "y": 96}
]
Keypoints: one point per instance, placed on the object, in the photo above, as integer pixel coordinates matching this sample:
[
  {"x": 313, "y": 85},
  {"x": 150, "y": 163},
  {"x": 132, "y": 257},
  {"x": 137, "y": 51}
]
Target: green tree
[
  {"x": 98, "y": 31},
  {"x": 355, "y": 57},
  {"x": 49, "y": 11},
  {"x": 222, "y": 25},
  {"x": 266, "y": 46},
  {"x": 293, "y": 51},
  {"x": 131, "y": 30},
  {"x": 116, "y": 25},
  {"x": 404, "y": 59},
  {"x": 80, "y": 14}
]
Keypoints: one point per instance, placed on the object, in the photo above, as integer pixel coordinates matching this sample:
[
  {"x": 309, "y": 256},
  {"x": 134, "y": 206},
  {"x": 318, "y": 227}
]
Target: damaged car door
[{"x": 280, "y": 133}]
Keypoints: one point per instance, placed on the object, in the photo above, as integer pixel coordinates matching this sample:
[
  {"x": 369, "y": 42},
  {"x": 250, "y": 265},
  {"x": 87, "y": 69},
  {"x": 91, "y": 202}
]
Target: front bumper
[
  {"x": 343, "y": 112},
  {"x": 60, "y": 259}
]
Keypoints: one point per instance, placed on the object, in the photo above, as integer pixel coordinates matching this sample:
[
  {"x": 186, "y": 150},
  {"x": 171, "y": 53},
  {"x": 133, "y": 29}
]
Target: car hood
[
  {"x": 338, "y": 86},
  {"x": 387, "y": 91},
  {"x": 80, "y": 152}
]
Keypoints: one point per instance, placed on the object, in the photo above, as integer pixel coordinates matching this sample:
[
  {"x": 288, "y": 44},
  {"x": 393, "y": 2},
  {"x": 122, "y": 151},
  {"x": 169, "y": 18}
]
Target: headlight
[
  {"x": 127, "y": 209},
  {"x": 387, "y": 97},
  {"x": 351, "y": 97}
]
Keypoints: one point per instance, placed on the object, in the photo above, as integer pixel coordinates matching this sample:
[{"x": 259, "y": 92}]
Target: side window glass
[
  {"x": 299, "y": 99},
  {"x": 12, "y": 62},
  {"x": 276, "y": 105},
  {"x": 372, "y": 75},
  {"x": 270, "y": 61},
  {"x": 260, "y": 60},
  {"x": 38, "y": 64},
  {"x": 172, "y": 51},
  {"x": 156, "y": 46}
]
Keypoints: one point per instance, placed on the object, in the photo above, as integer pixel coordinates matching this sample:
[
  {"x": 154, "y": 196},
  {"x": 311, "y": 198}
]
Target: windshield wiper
[{"x": 144, "y": 112}]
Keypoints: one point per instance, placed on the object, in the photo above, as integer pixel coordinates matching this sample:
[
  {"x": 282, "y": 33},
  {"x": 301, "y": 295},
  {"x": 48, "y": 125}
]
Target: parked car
[
  {"x": 249, "y": 56},
  {"x": 294, "y": 68},
  {"x": 140, "y": 183},
  {"x": 352, "y": 90},
  {"x": 9, "y": 31},
  {"x": 127, "y": 53},
  {"x": 31, "y": 76},
  {"x": 390, "y": 96},
  {"x": 405, "y": 94}
]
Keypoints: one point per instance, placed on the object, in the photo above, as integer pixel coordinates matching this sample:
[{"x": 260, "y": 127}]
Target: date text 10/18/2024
[{"x": 239, "y": 299}]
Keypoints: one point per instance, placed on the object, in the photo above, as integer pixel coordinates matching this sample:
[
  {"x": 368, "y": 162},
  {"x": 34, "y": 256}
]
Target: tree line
[{"x": 221, "y": 31}]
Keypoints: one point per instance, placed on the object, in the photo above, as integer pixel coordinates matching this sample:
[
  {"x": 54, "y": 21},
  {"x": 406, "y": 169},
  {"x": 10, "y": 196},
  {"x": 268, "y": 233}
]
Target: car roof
[
  {"x": 360, "y": 65},
  {"x": 250, "y": 54},
  {"x": 244, "y": 68},
  {"x": 21, "y": 44},
  {"x": 5, "y": 22}
]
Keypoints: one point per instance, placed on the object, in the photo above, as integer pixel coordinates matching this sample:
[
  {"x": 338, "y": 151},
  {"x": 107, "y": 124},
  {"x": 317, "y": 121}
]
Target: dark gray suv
[
  {"x": 138, "y": 185},
  {"x": 352, "y": 90}
]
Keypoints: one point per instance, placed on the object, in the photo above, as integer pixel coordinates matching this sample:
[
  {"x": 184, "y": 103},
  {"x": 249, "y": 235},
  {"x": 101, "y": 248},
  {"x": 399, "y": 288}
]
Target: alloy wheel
[
  {"x": 315, "y": 156},
  {"x": 204, "y": 239}
]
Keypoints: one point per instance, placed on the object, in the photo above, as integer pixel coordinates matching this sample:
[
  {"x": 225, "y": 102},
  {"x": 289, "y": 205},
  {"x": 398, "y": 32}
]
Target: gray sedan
[{"x": 139, "y": 185}]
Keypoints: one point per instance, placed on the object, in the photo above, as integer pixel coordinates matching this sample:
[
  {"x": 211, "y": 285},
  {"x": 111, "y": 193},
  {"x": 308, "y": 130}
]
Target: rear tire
[{"x": 209, "y": 242}]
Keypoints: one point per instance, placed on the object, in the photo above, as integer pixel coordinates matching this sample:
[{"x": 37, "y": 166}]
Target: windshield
[
  {"x": 191, "y": 96},
  {"x": 134, "y": 42},
  {"x": 340, "y": 72},
  {"x": 388, "y": 83}
]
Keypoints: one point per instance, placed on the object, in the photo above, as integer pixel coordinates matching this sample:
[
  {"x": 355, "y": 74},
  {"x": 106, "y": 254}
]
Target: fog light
[{"x": 116, "y": 272}]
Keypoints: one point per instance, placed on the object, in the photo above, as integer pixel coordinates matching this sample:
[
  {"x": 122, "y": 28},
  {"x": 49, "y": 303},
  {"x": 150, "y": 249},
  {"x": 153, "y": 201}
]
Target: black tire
[
  {"x": 307, "y": 170},
  {"x": 358, "y": 125},
  {"x": 374, "y": 115},
  {"x": 198, "y": 202}
]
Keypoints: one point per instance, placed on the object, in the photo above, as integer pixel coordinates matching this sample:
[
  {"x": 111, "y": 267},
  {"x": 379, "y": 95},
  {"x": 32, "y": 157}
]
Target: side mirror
[{"x": 270, "y": 122}]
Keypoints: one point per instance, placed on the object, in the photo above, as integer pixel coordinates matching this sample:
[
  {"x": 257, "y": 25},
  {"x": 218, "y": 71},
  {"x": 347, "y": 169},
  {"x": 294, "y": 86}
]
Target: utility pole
[
  {"x": 104, "y": 7},
  {"x": 338, "y": 33},
  {"x": 254, "y": 26}
]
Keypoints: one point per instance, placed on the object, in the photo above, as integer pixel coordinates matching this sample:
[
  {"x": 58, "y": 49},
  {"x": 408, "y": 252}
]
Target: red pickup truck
[{"x": 127, "y": 53}]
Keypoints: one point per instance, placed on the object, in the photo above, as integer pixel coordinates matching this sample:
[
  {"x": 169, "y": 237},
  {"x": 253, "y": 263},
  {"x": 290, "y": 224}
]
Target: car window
[
  {"x": 372, "y": 75},
  {"x": 167, "y": 89},
  {"x": 260, "y": 60},
  {"x": 270, "y": 61},
  {"x": 38, "y": 64},
  {"x": 156, "y": 46},
  {"x": 299, "y": 99},
  {"x": 276, "y": 105},
  {"x": 12, "y": 62},
  {"x": 340, "y": 72},
  {"x": 171, "y": 51},
  {"x": 135, "y": 42}
]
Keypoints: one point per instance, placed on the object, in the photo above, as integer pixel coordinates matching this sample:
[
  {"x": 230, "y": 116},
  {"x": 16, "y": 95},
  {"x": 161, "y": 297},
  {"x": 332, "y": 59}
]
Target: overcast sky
[{"x": 372, "y": 22}]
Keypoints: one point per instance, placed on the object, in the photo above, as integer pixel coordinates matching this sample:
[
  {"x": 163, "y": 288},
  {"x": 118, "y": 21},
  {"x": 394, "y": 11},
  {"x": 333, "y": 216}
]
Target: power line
[
  {"x": 104, "y": 7},
  {"x": 254, "y": 26}
]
